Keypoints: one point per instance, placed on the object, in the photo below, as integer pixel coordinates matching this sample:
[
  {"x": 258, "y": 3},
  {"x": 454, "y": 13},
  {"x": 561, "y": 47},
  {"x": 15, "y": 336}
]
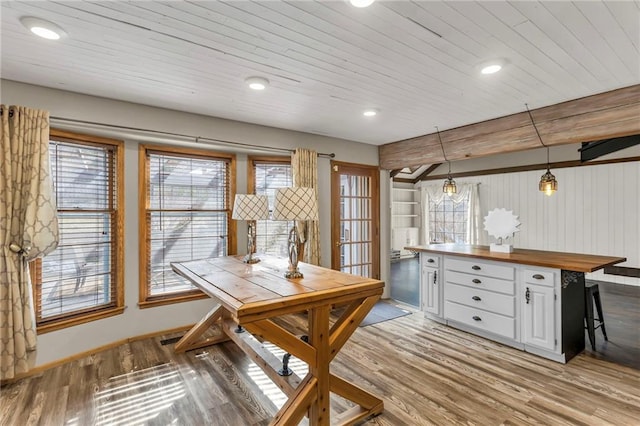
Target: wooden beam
[
  {"x": 395, "y": 172},
  {"x": 602, "y": 116},
  {"x": 624, "y": 271},
  {"x": 542, "y": 166},
  {"x": 592, "y": 150},
  {"x": 427, "y": 172}
]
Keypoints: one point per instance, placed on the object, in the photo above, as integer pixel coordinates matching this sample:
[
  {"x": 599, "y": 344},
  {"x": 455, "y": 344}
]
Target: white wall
[
  {"x": 67, "y": 342},
  {"x": 595, "y": 211}
]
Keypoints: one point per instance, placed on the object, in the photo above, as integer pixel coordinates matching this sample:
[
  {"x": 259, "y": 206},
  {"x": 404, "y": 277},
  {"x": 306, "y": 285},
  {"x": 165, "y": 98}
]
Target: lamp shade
[
  {"x": 250, "y": 207},
  {"x": 295, "y": 203}
]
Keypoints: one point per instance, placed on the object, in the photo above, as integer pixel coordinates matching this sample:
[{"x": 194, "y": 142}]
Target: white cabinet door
[
  {"x": 431, "y": 290},
  {"x": 539, "y": 321}
]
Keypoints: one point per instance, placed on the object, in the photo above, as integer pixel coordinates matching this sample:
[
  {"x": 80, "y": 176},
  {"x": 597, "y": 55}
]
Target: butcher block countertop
[{"x": 550, "y": 259}]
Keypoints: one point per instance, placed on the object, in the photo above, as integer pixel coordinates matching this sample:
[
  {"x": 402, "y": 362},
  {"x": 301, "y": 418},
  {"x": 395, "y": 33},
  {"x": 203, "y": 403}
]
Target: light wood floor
[{"x": 425, "y": 372}]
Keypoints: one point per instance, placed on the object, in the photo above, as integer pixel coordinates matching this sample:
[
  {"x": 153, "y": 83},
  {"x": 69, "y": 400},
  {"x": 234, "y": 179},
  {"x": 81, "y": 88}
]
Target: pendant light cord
[
  {"x": 443, "y": 153},
  {"x": 537, "y": 133}
]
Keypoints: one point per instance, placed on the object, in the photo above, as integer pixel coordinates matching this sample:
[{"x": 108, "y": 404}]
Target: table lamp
[
  {"x": 295, "y": 203},
  {"x": 250, "y": 207}
]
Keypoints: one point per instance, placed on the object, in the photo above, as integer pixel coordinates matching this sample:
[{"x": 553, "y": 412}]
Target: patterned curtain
[
  {"x": 304, "y": 165},
  {"x": 28, "y": 229}
]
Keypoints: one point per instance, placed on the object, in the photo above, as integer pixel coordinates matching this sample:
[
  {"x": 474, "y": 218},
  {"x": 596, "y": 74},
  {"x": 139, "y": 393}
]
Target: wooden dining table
[{"x": 254, "y": 295}]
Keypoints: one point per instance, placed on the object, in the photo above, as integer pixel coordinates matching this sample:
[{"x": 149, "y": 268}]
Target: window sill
[{"x": 84, "y": 318}]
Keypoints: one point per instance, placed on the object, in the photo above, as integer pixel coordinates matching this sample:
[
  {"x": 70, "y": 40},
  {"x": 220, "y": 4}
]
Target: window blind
[
  {"x": 272, "y": 235},
  {"x": 78, "y": 276},
  {"x": 187, "y": 217}
]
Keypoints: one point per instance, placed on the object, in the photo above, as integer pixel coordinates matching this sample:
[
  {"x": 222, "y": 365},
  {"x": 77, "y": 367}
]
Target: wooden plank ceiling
[{"x": 416, "y": 62}]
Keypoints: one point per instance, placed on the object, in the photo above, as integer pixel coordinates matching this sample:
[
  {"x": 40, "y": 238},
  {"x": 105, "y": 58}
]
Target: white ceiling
[{"x": 415, "y": 61}]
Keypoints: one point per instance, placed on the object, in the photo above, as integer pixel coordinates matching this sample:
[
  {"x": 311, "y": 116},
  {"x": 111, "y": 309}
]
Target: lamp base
[
  {"x": 250, "y": 259},
  {"x": 293, "y": 274}
]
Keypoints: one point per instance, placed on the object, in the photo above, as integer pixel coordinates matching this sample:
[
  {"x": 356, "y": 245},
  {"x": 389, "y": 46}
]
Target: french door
[{"x": 355, "y": 219}]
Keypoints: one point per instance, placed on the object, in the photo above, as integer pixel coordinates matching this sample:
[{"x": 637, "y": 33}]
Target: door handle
[
  {"x": 527, "y": 295},
  {"x": 435, "y": 277}
]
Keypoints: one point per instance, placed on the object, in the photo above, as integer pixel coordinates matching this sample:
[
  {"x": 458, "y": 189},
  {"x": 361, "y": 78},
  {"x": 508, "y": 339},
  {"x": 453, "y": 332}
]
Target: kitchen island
[{"x": 529, "y": 299}]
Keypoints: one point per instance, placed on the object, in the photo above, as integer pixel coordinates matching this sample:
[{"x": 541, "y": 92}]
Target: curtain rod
[{"x": 196, "y": 139}]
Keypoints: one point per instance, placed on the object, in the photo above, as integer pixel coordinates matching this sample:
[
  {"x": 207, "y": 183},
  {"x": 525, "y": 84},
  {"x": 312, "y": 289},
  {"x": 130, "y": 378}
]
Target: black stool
[{"x": 592, "y": 292}]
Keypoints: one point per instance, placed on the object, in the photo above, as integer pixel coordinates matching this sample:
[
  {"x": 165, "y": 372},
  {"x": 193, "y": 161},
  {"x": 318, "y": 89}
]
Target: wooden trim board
[{"x": 52, "y": 364}]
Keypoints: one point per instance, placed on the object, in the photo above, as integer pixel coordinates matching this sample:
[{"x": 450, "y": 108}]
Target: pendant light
[
  {"x": 548, "y": 183},
  {"x": 449, "y": 186}
]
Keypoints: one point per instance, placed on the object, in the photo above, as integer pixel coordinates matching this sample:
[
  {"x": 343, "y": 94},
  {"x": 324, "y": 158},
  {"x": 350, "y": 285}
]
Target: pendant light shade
[
  {"x": 548, "y": 183},
  {"x": 449, "y": 186}
]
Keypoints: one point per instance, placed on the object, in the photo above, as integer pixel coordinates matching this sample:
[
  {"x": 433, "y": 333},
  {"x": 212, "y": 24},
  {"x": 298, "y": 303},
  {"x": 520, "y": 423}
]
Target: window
[
  {"x": 448, "y": 220},
  {"x": 184, "y": 215},
  {"x": 82, "y": 280},
  {"x": 266, "y": 174}
]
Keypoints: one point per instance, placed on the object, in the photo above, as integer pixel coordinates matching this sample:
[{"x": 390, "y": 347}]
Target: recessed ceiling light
[
  {"x": 42, "y": 28},
  {"x": 257, "y": 83},
  {"x": 371, "y": 112},
  {"x": 361, "y": 3},
  {"x": 491, "y": 67}
]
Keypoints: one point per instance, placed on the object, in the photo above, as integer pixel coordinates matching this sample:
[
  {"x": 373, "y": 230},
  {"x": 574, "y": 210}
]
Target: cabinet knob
[
  {"x": 476, "y": 268},
  {"x": 476, "y": 281},
  {"x": 476, "y": 298},
  {"x": 538, "y": 276},
  {"x": 430, "y": 260},
  {"x": 477, "y": 318}
]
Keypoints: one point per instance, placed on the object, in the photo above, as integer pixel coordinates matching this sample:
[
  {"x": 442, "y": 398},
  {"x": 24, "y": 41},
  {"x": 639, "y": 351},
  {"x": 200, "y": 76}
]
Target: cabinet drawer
[
  {"x": 539, "y": 277},
  {"x": 493, "y": 302},
  {"x": 483, "y": 283},
  {"x": 430, "y": 261},
  {"x": 480, "y": 268},
  {"x": 481, "y": 320}
]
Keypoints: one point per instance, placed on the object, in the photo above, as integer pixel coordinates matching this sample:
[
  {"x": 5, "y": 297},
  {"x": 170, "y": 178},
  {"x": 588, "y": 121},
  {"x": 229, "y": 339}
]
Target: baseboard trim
[{"x": 44, "y": 367}]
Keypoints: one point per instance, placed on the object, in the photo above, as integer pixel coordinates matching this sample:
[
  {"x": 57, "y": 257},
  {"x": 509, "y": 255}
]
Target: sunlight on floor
[
  {"x": 136, "y": 397},
  {"x": 268, "y": 388},
  {"x": 139, "y": 396}
]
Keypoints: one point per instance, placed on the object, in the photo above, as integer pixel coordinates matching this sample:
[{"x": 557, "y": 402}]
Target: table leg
[
  {"x": 319, "y": 410},
  {"x": 312, "y": 396},
  {"x": 191, "y": 340}
]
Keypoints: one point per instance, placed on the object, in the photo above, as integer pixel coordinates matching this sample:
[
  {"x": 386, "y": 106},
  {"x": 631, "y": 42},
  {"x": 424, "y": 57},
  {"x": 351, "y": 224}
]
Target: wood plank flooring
[{"x": 426, "y": 373}]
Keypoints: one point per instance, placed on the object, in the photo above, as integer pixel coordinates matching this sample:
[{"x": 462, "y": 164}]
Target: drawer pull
[
  {"x": 476, "y": 268},
  {"x": 538, "y": 276},
  {"x": 430, "y": 260},
  {"x": 477, "y": 318},
  {"x": 476, "y": 281},
  {"x": 476, "y": 298}
]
